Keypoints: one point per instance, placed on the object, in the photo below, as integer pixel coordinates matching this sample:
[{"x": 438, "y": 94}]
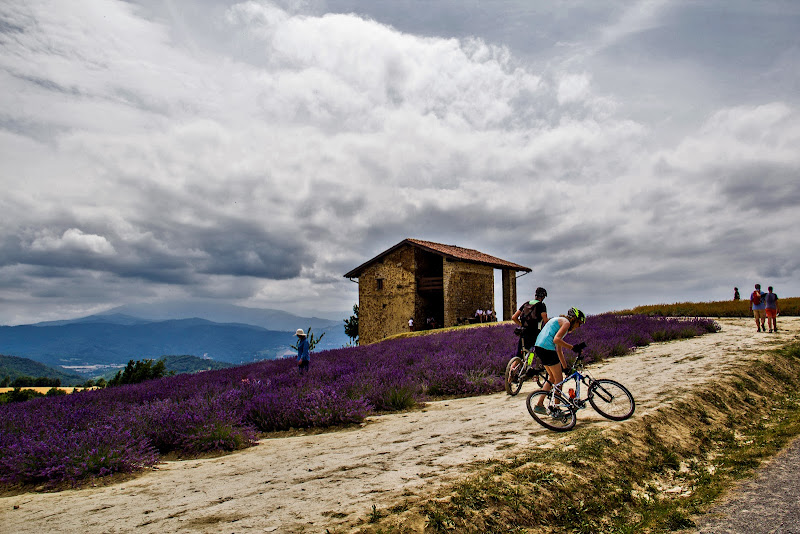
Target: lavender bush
[{"x": 127, "y": 428}]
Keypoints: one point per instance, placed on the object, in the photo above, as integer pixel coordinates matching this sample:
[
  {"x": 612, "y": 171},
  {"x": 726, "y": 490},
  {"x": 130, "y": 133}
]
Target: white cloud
[
  {"x": 74, "y": 240},
  {"x": 742, "y": 135},
  {"x": 573, "y": 88}
]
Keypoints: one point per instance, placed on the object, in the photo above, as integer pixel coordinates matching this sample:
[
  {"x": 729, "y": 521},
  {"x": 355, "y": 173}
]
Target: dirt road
[{"x": 310, "y": 483}]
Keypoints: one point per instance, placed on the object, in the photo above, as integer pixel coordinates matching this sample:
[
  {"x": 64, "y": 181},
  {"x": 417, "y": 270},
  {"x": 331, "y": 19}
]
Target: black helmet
[
  {"x": 540, "y": 293},
  {"x": 575, "y": 313}
]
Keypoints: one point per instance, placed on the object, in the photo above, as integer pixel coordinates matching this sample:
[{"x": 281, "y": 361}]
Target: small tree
[
  {"x": 139, "y": 371},
  {"x": 351, "y": 325},
  {"x": 19, "y": 395}
]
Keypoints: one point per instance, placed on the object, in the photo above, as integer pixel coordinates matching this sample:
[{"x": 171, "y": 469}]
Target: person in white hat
[{"x": 303, "y": 355}]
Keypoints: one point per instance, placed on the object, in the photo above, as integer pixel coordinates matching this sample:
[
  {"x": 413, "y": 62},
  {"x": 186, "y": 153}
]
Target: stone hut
[{"x": 421, "y": 280}]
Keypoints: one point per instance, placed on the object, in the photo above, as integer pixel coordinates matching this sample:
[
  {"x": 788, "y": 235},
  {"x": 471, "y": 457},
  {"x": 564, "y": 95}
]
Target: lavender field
[{"x": 68, "y": 439}]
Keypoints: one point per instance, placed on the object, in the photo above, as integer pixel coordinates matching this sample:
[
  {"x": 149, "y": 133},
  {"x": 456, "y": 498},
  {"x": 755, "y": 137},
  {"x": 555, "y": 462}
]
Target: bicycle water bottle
[
  {"x": 530, "y": 358},
  {"x": 571, "y": 394}
]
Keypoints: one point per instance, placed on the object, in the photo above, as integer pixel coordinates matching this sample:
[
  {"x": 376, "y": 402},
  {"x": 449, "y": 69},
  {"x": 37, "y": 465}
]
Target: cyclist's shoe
[
  {"x": 540, "y": 409},
  {"x": 530, "y": 373}
]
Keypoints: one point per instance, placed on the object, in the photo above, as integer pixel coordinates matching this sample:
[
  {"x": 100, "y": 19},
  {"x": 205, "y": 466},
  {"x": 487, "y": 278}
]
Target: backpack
[
  {"x": 527, "y": 317},
  {"x": 756, "y": 298}
]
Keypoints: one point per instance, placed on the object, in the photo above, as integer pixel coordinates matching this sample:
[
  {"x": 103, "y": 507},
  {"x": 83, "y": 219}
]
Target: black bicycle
[{"x": 557, "y": 410}]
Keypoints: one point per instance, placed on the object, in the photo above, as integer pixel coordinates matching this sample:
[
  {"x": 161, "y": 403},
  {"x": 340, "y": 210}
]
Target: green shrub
[
  {"x": 138, "y": 371},
  {"x": 19, "y": 395}
]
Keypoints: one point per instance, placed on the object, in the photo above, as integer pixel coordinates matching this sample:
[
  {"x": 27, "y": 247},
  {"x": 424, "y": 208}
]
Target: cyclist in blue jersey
[{"x": 550, "y": 345}]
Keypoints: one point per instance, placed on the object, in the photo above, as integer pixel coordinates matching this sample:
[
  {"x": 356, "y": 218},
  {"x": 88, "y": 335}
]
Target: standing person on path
[
  {"x": 411, "y": 324},
  {"x": 303, "y": 354},
  {"x": 757, "y": 306},
  {"x": 771, "y": 310},
  {"x": 531, "y": 316},
  {"x": 550, "y": 347},
  {"x": 736, "y": 293}
]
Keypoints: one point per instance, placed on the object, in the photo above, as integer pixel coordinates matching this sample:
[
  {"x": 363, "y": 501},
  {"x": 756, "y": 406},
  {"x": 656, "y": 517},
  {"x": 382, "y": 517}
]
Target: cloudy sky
[{"x": 254, "y": 152}]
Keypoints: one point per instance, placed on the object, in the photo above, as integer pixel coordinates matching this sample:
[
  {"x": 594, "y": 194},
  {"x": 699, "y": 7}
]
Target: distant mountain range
[
  {"x": 151, "y": 331},
  {"x": 270, "y": 319}
]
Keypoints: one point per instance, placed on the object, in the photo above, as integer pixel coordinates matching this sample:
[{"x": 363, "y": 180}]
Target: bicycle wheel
[
  {"x": 611, "y": 400},
  {"x": 514, "y": 378},
  {"x": 559, "y": 416}
]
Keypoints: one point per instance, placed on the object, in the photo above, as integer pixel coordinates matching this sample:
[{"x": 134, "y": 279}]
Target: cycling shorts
[{"x": 546, "y": 356}]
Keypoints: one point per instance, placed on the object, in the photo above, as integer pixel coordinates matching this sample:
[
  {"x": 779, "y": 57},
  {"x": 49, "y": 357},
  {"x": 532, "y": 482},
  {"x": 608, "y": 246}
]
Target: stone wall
[
  {"x": 509, "y": 294},
  {"x": 386, "y": 296},
  {"x": 467, "y": 287}
]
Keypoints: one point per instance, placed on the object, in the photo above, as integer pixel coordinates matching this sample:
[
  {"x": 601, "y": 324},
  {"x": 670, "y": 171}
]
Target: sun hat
[{"x": 300, "y": 332}]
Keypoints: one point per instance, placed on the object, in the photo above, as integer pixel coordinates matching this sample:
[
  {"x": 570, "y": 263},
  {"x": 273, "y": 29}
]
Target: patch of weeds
[
  {"x": 594, "y": 445},
  {"x": 535, "y": 476},
  {"x": 771, "y": 370},
  {"x": 722, "y": 435},
  {"x": 438, "y": 521},
  {"x": 400, "y": 508},
  {"x": 335, "y": 515},
  {"x": 471, "y": 496},
  {"x": 717, "y": 401},
  {"x": 751, "y": 384},
  {"x": 676, "y": 520},
  {"x": 375, "y": 515},
  {"x": 703, "y": 417},
  {"x": 670, "y": 459}
]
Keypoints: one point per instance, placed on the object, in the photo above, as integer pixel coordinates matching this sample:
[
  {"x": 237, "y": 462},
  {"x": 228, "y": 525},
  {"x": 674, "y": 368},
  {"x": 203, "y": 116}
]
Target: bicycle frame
[
  {"x": 540, "y": 371},
  {"x": 579, "y": 379}
]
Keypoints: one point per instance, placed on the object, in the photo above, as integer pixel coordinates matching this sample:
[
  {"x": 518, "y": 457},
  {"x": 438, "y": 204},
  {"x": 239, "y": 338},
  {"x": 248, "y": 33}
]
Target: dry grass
[
  {"x": 724, "y": 308},
  {"x": 650, "y": 474}
]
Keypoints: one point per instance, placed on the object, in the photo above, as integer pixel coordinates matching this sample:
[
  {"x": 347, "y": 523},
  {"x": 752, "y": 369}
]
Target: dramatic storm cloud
[{"x": 254, "y": 152}]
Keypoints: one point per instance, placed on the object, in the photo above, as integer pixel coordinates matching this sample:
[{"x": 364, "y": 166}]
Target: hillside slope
[{"x": 14, "y": 367}]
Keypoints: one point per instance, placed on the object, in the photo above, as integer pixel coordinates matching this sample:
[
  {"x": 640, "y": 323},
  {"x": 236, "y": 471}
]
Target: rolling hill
[{"x": 14, "y": 367}]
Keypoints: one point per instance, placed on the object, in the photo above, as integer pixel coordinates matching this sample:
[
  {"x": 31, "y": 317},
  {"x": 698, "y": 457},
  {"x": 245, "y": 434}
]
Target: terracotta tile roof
[{"x": 448, "y": 251}]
